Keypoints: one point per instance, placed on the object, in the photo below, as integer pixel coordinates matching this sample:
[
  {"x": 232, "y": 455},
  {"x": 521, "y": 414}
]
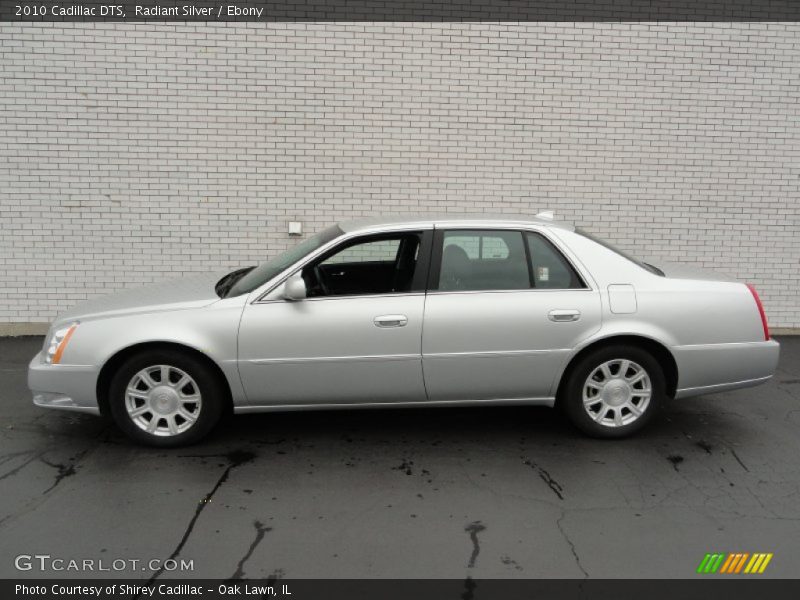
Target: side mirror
[{"x": 295, "y": 288}]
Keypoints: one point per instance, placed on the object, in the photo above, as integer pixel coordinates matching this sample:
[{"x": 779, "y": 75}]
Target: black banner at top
[{"x": 398, "y": 10}]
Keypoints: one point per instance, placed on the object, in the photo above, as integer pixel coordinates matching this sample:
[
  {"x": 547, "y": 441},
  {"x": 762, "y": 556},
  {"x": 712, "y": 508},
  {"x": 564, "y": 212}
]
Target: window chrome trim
[
  {"x": 511, "y": 291},
  {"x": 589, "y": 283},
  {"x": 258, "y": 295},
  {"x": 349, "y": 297},
  {"x": 271, "y": 285}
]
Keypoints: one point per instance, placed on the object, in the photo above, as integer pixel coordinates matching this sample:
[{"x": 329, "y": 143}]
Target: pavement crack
[
  {"x": 261, "y": 530},
  {"x": 571, "y": 544},
  {"x": 11, "y": 455},
  {"x": 235, "y": 459},
  {"x": 64, "y": 470},
  {"x": 22, "y": 466},
  {"x": 739, "y": 460},
  {"x": 705, "y": 446},
  {"x": 473, "y": 529},
  {"x": 547, "y": 478}
]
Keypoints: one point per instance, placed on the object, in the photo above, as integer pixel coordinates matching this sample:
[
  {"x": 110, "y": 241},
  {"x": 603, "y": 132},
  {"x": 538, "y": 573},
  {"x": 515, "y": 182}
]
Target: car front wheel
[
  {"x": 614, "y": 391},
  {"x": 165, "y": 398}
]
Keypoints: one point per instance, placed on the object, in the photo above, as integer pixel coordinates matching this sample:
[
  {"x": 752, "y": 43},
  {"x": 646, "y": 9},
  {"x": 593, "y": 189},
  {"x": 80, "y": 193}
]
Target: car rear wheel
[
  {"x": 614, "y": 391},
  {"x": 165, "y": 398}
]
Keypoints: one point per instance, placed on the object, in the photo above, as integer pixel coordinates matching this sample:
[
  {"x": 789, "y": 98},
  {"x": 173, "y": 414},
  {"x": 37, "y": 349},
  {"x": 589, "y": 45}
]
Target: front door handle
[
  {"x": 390, "y": 321},
  {"x": 564, "y": 316}
]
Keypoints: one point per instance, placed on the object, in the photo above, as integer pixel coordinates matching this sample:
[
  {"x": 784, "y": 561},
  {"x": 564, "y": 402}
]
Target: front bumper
[
  {"x": 65, "y": 387},
  {"x": 709, "y": 368}
]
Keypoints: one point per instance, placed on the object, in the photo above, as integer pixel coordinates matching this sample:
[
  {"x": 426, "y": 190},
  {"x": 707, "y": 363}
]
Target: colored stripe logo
[{"x": 735, "y": 563}]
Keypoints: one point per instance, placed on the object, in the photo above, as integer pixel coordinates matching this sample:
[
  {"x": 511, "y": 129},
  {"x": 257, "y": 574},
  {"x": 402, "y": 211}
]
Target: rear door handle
[
  {"x": 390, "y": 321},
  {"x": 564, "y": 316}
]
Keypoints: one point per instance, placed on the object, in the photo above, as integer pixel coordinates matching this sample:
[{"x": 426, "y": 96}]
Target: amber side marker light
[{"x": 63, "y": 344}]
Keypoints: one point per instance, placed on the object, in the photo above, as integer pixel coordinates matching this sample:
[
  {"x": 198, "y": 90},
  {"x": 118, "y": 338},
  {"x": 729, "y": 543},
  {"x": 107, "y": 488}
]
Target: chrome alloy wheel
[
  {"x": 163, "y": 400},
  {"x": 617, "y": 393}
]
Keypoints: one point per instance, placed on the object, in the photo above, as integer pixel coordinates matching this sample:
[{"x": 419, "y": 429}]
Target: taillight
[{"x": 760, "y": 306}]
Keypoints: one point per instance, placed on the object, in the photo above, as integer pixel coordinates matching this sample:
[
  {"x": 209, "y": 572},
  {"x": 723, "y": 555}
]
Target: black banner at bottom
[{"x": 396, "y": 589}]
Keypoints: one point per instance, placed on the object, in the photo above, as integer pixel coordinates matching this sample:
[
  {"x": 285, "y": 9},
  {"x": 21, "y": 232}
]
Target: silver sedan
[{"x": 405, "y": 312}]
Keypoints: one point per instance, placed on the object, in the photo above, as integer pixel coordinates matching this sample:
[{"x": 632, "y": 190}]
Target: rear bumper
[
  {"x": 709, "y": 368},
  {"x": 65, "y": 387}
]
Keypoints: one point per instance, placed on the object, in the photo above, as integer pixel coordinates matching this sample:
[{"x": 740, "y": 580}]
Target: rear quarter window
[{"x": 549, "y": 268}]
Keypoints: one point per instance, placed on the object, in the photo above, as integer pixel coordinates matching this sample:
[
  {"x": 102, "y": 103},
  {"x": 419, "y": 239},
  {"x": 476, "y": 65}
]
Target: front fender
[{"x": 211, "y": 330}]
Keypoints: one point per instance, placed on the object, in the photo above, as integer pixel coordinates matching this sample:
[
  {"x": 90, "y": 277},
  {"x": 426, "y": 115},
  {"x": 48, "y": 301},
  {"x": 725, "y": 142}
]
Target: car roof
[{"x": 449, "y": 220}]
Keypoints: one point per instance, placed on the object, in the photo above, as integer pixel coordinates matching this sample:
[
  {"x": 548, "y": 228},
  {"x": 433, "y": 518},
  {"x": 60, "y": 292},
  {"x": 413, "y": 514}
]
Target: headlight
[{"x": 54, "y": 347}]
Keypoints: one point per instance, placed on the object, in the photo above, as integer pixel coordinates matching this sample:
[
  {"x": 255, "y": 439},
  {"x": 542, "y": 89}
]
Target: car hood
[
  {"x": 680, "y": 271},
  {"x": 189, "y": 292}
]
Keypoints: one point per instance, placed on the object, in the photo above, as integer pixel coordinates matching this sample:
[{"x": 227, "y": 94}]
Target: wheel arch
[
  {"x": 115, "y": 361},
  {"x": 657, "y": 349}
]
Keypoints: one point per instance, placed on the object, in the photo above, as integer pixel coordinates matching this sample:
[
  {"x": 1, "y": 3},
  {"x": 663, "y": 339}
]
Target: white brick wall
[{"x": 131, "y": 153}]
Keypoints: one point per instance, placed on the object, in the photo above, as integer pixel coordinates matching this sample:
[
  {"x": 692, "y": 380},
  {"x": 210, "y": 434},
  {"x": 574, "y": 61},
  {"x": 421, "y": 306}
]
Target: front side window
[
  {"x": 373, "y": 265},
  {"x": 475, "y": 260}
]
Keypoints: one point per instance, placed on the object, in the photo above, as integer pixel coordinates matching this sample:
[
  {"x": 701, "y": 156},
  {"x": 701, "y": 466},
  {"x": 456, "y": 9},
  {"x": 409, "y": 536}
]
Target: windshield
[
  {"x": 622, "y": 253},
  {"x": 266, "y": 271}
]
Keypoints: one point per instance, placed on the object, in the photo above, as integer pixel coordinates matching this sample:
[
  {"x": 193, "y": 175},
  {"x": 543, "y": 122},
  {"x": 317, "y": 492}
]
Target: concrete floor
[{"x": 448, "y": 493}]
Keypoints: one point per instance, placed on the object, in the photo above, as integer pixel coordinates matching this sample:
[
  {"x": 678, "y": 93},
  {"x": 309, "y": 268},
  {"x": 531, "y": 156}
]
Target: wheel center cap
[
  {"x": 616, "y": 392},
  {"x": 163, "y": 400}
]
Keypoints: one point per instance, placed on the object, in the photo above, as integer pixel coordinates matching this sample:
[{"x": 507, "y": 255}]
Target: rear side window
[
  {"x": 549, "y": 268},
  {"x": 483, "y": 260},
  {"x": 476, "y": 260}
]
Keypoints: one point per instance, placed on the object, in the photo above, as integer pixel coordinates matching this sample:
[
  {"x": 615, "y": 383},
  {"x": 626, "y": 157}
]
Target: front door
[
  {"x": 355, "y": 339},
  {"x": 504, "y": 311}
]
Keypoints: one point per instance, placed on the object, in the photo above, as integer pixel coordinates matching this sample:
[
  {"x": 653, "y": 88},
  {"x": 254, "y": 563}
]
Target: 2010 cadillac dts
[{"x": 405, "y": 312}]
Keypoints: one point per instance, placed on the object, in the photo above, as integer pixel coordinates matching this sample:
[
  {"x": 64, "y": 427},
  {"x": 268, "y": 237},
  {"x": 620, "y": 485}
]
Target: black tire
[
  {"x": 571, "y": 398},
  {"x": 212, "y": 392}
]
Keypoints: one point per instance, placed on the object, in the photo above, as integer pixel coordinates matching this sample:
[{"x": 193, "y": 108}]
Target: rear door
[{"x": 504, "y": 310}]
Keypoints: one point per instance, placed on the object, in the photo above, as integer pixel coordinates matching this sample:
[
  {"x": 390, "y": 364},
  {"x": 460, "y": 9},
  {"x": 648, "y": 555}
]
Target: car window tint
[
  {"x": 483, "y": 260},
  {"x": 377, "y": 251},
  {"x": 479, "y": 247},
  {"x": 549, "y": 267}
]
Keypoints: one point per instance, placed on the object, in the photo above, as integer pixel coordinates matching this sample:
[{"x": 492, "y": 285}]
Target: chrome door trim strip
[
  {"x": 493, "y": 353},
  {"x": 312, "y": 359}
]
